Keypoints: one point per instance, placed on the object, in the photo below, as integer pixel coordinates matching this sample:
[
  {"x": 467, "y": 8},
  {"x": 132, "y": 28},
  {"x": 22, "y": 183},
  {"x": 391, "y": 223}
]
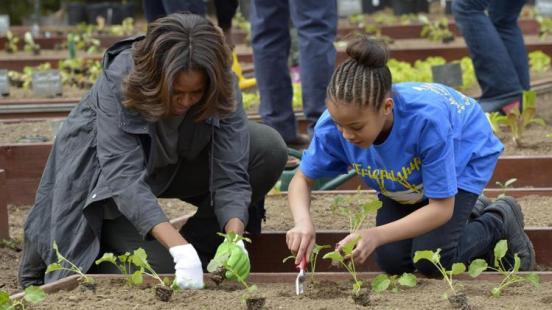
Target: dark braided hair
[{"x": 364, "y": 79}]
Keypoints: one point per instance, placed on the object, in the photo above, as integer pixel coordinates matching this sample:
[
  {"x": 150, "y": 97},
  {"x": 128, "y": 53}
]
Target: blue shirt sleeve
[
  {"x": 438, "y": 164},
  {"x": 324, "y": 157}
]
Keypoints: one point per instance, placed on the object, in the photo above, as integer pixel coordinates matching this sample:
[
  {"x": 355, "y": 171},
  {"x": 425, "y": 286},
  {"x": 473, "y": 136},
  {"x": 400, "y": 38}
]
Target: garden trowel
[{"x": 301, "y": 276}]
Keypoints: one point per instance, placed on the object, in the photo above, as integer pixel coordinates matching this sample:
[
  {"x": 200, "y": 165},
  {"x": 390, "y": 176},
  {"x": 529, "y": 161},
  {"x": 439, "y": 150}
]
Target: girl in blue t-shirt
[{"x": 427, "y": 149}]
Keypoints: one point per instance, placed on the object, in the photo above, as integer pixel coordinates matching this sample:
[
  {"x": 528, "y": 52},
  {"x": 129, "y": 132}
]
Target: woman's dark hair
[
  {"x": 174, "y": 44},
  {"x": 364, "y": 79}
]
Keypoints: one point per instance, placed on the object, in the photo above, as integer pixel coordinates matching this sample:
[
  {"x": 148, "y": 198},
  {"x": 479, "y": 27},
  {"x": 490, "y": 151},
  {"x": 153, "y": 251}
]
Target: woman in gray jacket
[{"x": 165, "y": 119}]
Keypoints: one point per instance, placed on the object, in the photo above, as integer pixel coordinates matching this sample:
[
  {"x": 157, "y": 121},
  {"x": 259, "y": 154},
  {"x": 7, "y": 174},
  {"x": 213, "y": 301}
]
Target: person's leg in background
[
  {"x": 316, "y": 23},
  {"x": 153, "y": 9},
  {"x": 495, "y": 70},
  {"x": 193, "y": 6},
  {"x": 226, "y": 9},
  {"x": 271, "y": 42}
]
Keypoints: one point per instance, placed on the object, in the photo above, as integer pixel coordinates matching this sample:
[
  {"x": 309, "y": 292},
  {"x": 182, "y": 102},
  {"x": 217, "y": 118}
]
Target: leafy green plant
[
  {"x": 511, "y": 275},
  {"x": 338, "y": 257},
  {"x": 545, "y": 26},
  {"x": 32, "y": 295},
  {"x": 125, "y": 264},
  {"x": 539, "y": 61},
  {"x": 219, "y": 264},
  {"x": 346, "y": 206},
  {"x": 61, "y": 260},
  {"x": 297, "y": 101},
  {"x": 30, "y": 45},
  {"x": 435, "y": 258},
  {"x": 250, "y": 99},
  {"x": 437, "y": 31},
  {"x": 383, "y": 282},
  {"x": 518, "y": 121},
  {"x": 496, "y": 120},
  {"x": 12, "y": 42},
  {"x": 140, "y": 259},
  {"x": 505, "y": 186},
  {"x": 313, "y": 257},
  {"x": 126, "y": 28}
]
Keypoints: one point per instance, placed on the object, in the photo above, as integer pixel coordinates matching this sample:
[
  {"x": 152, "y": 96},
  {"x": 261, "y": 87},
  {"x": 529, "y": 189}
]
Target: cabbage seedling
[
  {"x": 86, "y": 281},
  {"x": 124, "y": 263},
  {"x": 312, "y": 258},
  {"x": 383, "y": 282},
  {"x": 32, "y": 295},
  {"x": 337, "y": 257}
]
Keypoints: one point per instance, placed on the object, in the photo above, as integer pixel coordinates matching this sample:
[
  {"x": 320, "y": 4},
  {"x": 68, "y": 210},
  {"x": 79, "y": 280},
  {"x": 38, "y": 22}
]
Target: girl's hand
[
  {"x": 367, "y": 243},
  {"x": 300, "y": 240}
]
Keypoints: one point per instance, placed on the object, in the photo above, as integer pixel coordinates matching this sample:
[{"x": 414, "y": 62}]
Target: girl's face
[
  {"x": 362, "y": 126},
  {"x": 188, "y": 87}
]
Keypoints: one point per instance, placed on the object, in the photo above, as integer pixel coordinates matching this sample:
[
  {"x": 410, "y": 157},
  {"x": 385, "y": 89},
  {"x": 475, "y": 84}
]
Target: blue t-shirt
[{"x": 440, "y": 142}]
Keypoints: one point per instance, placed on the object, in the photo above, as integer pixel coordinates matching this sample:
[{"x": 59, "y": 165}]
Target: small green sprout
[
  {"x": 337, "y": 257},
  {"x": 32, "y": 295},
  {"x": 383, "y": 282},
  {"x": 435, "y": 259},
  {"x": 71, "y": 267},
  {"x": 313, "y": 257},
  {"x": 518, "y": 121},
  {"x": 12, "y": 42},
  {"x": 436, "y": 30},
  {"x": 496, "y": 120},
  {"x": 125, "y": 264},
  {"x": 30, "y": 45},
  {"x": 505, "y": 186}
]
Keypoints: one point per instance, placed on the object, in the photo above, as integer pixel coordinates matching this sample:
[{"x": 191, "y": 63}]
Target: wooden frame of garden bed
[{"x": 71, "y": 282}]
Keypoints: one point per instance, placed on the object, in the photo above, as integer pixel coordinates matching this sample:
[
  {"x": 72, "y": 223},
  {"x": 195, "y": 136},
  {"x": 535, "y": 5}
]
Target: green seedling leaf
[
  {"x": 124, "y": 258},
  {"x": 534, "y": 279},
  {"x": 495, "y": 292},
  {"x": 107, "y": 257},
  {"x": 317, "y": 248},
  {"x": 517, "y": 263},
  {"x": 288, "y": 258},
  {"x": 426, "y": 254},
  {"x": 4, "y": 299},
  {"x": 477, "y": 267},
  {"x": 34, "y": 294},
  {"x": 380, "y": 283},
  {"x": 350, "y": 245},
  {"x": 140, "y": 259},
  {"x": 53, "y": 267},
  {"x": 500, "y": 251},
  {"x": 252, "y": 288},
  {"x": 335, "y": 256},
  {"x": 137, "y": 278},
  {"x": 218, "y": 262},
  {"x": 457, "y": 268},
  {"x": 372, "y": 206},
  {"x": 407, "y": 279},
  {"x": 356, "y": 287}
]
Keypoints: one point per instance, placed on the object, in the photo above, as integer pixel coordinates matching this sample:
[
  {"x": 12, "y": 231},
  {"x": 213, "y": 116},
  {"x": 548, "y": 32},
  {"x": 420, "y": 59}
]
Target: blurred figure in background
[{"x": 497, "y": 49}]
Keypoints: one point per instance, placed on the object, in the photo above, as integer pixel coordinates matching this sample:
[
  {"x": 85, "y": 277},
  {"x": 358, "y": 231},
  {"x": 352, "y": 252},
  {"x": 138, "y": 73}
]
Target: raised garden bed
[
  {"x": 330, "y": 291},
  {"x": 17, "y": 61}
]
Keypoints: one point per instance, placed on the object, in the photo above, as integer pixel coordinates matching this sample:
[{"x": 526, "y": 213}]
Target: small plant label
[
  {"x": 46, "y": 83},
  {"x": 448, "y": 74},
  {"x": 4, "y": 24},
  {"x": 4, "y": 83}
]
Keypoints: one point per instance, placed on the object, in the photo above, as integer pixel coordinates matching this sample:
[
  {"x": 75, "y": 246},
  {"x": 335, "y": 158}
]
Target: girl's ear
[{"x": 388, "y": 106}]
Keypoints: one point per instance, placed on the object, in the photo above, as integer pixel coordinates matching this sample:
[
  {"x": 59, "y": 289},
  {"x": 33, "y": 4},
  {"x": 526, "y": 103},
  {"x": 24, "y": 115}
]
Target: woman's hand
[
  {"x": 300, "y": 240},
  {"x": 367, "y": 243}
]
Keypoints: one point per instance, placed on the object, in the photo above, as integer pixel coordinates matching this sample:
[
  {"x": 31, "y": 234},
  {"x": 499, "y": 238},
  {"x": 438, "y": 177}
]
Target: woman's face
[
  {"x": 361, "y": 126},
  {"x": 188, "y": 88}
]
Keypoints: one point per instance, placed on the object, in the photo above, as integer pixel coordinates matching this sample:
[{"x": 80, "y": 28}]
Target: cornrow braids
[{"x": 364, "y": 79}]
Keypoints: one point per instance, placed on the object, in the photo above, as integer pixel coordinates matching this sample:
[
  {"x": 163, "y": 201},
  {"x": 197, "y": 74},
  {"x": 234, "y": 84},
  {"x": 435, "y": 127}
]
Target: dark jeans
[
  {"x": 268, "y": 156},
  {"x": 458, "y": 239},
  {"x": 497, "y": 49},
  {"x": 226, "y": 9},
  {"x": 316, "y": 23}
]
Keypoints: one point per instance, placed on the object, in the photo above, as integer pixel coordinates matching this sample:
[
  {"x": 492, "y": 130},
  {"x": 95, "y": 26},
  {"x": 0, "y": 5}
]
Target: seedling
[
  {"x": 383, "y": 282},
  {"x": 218, "y": 266},
  {"x": 539, "y": 61},
  {"x": 164, "y": 290},
  {"x": 312, "y": 258},
  {"x": 11, "y": 42},
  {"x": 511, "y": 276},
  {"x": 457, "y": 299},
  {"x": 545, "y": 26},
  {"x": 31, "y": 295},
  {"x": 496, "y": 120},
  {"x": 436, "y": 30},
  {"x": 30, "y": 45},
  {"x": 86, "y": 281},
  {"x": 125, "y": 264},
  {"x": 518, "y": 121},
  {"x": 354, "y": 212},
  {"x": 505, "y": 186}
]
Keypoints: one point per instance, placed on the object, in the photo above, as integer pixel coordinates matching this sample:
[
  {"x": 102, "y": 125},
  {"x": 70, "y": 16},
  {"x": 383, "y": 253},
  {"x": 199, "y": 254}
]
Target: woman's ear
[{"x": 388, "y": 106}]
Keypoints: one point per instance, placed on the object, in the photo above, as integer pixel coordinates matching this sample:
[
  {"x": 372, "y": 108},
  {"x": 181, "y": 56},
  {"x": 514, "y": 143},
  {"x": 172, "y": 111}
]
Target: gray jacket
[{"x": 103, "y": 151}]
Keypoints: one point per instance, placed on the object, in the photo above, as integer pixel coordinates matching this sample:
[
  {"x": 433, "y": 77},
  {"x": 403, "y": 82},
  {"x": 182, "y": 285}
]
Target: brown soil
[{"x": 427, "y": 295}]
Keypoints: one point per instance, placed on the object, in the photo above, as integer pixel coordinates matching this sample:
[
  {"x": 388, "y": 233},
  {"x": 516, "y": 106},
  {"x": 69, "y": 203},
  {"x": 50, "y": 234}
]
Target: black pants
[
  {"x": 268, "y": 156},
  {"x": 459, "y": 240}
]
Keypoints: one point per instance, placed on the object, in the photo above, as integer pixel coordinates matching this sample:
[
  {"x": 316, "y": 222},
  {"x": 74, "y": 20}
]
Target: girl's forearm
[
  {"x": 167, "y": 235},
  {"x": 299, "y": 197},
  {"x": 419, "y": 222}
]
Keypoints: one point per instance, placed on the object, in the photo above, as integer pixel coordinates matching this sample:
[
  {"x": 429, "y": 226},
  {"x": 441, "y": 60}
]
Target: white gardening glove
[{"x": 188, "y": 272}]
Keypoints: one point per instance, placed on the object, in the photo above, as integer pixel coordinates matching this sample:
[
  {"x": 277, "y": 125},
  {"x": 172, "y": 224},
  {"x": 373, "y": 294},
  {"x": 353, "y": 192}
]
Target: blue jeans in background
[
  {"x": 316, "y": 23},
  {"x": 497, "y": 49},
  {"x": 153, "y": 9},
  {"x": 459, "y": 240}
]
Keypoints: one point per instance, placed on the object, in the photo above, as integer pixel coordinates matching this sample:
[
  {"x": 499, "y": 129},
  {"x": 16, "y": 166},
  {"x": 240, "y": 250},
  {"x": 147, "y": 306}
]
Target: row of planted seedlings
[{"x": 364, "y": 290}]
